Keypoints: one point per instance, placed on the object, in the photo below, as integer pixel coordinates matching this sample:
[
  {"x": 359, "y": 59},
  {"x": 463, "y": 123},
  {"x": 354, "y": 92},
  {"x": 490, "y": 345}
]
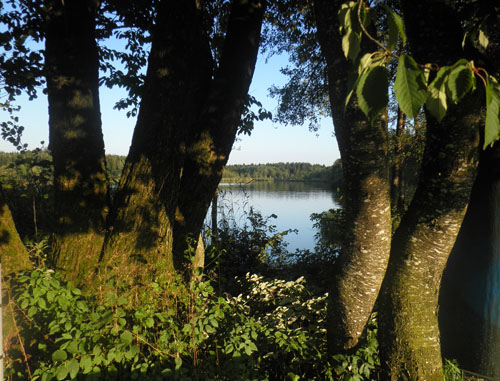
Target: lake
[{"x": 292, "y": 202}]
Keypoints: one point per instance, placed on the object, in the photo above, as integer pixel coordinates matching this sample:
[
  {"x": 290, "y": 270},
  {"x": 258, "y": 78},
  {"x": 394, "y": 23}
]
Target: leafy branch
[{"x": 414, "y": 87}]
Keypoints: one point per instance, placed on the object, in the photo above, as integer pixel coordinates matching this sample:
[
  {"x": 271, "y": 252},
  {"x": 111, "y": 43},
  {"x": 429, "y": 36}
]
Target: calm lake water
[{"x": 292, "y": 202}]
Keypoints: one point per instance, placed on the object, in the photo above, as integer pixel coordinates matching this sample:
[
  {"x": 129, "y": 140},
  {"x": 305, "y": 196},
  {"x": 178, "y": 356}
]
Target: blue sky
[{"x": 270, "y": 142}]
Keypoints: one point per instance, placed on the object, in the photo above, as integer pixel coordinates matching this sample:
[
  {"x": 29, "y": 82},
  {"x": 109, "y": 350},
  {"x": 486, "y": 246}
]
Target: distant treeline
[
  {"x": 233, "y": 173},
  {"x": 284, "y": 172}
]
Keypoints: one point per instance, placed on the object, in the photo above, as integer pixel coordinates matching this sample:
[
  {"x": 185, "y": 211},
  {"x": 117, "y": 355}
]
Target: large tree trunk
[
  {"x": 184, "y": 134},
  {"x": 215, "y": 130},
  {"x": 76, "y": 141},
  {"x": 469, "y": 298},
  {"x": 179, "y": 72},
  {"x": 408, "y": 332},
  {"x": 363, "y": 148}
]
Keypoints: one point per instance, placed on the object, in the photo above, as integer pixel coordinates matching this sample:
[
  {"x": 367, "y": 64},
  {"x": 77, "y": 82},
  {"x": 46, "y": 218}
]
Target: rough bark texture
[
  {"x": 408, "y": 330},
  {"x": 178, "y": 75},
  {"x": 185, "y": 131},
  {"x": 13, "y": 254},
  {"x": 215, "y": 130},
  {"x": 469, "y": 297},
  {"x": 76, "y": 141},
  {"x": 359, "y": 272},
  {"x": 14, "y": 258}
]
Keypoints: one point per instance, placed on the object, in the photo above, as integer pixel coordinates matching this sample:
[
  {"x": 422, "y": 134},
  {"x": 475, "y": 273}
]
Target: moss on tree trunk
[
  {"x": 359, "y": 272},
  {"x": 76, "y": 141},
  {"x": 409, "y": 332}
]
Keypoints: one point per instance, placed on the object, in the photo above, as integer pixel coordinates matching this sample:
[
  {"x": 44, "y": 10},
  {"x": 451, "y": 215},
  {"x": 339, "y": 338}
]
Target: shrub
[{"x": 172, "y": 329}]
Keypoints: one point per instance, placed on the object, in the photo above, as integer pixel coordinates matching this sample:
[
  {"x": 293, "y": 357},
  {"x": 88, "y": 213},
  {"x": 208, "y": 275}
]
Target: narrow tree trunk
[
  {"x": 468, "y": 315},
  {"x": 76, "y": 141},
  {"x": 362, "y": 264},
  {"x": 179, "y": 71},
  {"x": 215, "y": 210},
  {"x": 215, "y": 130}
]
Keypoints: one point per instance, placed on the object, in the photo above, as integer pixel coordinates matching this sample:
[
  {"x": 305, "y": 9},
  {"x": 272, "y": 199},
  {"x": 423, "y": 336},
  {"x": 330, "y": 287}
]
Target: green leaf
[
  {"x": 126, "y": 337},
  {"x": 492, "y": 125},
  {"x": 59, "y": 355},
  {"x": 86, "y": 364},
  {"x": 460, "y": 82},
  {"x": 372, "y": 92},
  {"x": 73, "y": 368},
  {"x": 72, "y": 347},
  {"x": 410, "y": 86},
  {"x": 351, "y": 45},
  {"x": 41, "y": 303},
  {"x": 483, "y": 39},
  {"x": 396, "y": 28},
  {"x": 62, "y": 372},
  {"x": 178, "y": 363},
  {"x": 436, "y": 103}
]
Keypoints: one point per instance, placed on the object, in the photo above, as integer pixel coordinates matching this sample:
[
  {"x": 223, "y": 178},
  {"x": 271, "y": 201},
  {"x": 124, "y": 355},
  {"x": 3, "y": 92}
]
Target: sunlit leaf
[
  {"x": 410, "y": 86},
  {"x": 351, "y": 45},
  {"x": 492, "y": 125},
  {"x": 483, "y": 39},
  {"x": 396, "y": 28},
  {"x": 59, "y": 355},
  {"x": 372, "y": 92},
  {"x": 126, "y": 337},
  {"x": 436, "y": 102}
]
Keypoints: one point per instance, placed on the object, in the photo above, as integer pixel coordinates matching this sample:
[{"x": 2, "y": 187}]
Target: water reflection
[{"x": 292, "y": 202}]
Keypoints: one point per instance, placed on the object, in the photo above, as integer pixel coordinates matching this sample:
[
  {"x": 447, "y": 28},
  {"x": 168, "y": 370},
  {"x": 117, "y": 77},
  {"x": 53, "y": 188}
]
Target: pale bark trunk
[
  {"x": 361, "y": 266},
  {"x": 409, "y": 333},
  {"x": 408, "y": 329},
  {"x": 76, "y": 141}
]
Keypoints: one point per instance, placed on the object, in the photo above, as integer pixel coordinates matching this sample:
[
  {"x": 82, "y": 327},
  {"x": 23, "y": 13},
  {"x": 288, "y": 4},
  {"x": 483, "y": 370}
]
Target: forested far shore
[
  {"x": 284, "y": 172},
  {"x": 232, "y": 173}
]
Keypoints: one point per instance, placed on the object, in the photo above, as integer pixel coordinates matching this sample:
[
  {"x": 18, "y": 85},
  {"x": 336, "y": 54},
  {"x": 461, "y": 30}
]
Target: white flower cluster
[{"x": 283, "y": 305}]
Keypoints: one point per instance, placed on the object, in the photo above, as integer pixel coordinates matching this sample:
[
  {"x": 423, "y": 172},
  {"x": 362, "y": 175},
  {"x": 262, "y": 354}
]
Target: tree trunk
[
  {"x": 177, "y": 79},
  {"x": 468, "y": 315},
  {"x": 13, "y": 254},
  {"x": 185, "y": 131},
  {"x": 13, "y": 258},
  {"x": 361, "y": 266},
  {"x": 408, "y": 331},
  {"x": 76, "y": 141},
  {"x": 215, "y": 130}
]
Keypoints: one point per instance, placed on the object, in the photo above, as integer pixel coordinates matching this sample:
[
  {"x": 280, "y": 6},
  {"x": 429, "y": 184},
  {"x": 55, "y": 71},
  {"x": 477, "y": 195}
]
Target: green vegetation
[
  {"x": 232, "y": 173},
  {"x": 283, "y": 172},
  {"x": 144, "y": 308},
  {"x": 256, "y": 327}
]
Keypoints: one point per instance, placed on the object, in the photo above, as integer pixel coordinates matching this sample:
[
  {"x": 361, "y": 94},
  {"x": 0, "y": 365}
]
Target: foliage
[
  {"x": 255, "y": 245},
  {"x": 415, "y": 84},
  {"x": 170, "y": 329},
  {"x": 285, "y": 172},
  {"x": 26, "y": 180}
]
